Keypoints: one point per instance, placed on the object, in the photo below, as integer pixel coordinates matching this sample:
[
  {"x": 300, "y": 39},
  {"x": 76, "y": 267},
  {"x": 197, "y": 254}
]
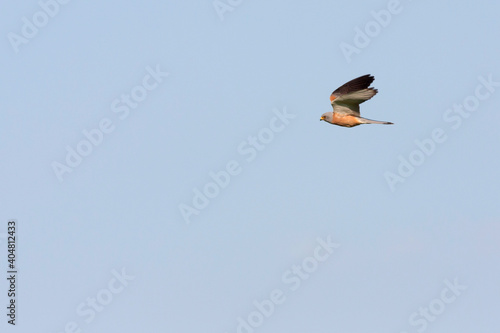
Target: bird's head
[{"x": 328, "y": 117}]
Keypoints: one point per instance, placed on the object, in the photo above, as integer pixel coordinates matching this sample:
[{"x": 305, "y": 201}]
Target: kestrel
[{"x": 345, "y": 102}]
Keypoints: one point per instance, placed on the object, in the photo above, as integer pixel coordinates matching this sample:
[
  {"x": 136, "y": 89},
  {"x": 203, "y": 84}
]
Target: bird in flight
[{"x": 345, "y": 102}]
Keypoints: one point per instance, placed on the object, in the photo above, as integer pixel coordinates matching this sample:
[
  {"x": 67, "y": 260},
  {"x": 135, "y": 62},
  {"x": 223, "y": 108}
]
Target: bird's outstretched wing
[{"x": 346, "y": 98}]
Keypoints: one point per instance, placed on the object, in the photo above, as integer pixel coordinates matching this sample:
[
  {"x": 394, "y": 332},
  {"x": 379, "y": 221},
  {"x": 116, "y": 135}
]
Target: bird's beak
[{"x": 322, "y": 118}]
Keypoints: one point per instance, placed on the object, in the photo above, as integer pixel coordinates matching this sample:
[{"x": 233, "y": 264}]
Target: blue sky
[{"x": 308, "y": 226}]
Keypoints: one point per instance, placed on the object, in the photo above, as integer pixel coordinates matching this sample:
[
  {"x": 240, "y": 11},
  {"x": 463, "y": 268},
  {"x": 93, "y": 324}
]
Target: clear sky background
[{"x": 401, "y": 243}]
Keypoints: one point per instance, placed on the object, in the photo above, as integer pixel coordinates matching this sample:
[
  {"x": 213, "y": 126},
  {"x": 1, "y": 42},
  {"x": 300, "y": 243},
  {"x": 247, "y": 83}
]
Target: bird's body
[{"x": 345, "y": 101}]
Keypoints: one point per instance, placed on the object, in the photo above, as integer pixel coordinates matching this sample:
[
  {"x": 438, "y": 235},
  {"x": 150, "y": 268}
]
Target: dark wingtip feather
[{"x": 362, "y": 82}]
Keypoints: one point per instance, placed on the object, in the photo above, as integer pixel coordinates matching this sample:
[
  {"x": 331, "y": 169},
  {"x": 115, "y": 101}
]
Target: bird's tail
[{"x": 369, "y": 121}]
